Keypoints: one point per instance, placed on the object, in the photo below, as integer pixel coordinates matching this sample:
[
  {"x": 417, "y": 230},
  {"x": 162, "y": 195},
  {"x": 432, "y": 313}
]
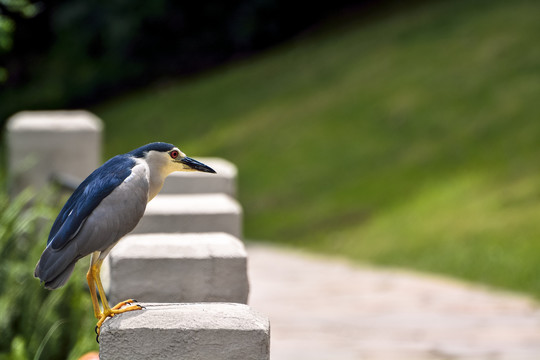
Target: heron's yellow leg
[
  {"x": 107, "y": 310},
  {"x": 90, "y": 277}
]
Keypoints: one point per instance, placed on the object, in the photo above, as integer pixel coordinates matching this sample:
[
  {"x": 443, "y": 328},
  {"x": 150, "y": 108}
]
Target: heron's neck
[
  {"x": 156, "y": 180},
  {"x": 156, "y": 177}
]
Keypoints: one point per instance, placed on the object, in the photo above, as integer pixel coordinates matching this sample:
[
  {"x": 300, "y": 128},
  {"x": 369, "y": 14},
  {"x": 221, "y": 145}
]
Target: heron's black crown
[{"x": 156, "y": 146}]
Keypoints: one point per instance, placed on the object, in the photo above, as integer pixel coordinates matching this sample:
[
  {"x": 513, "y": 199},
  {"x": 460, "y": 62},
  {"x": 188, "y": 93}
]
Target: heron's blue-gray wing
[{"x": 87, "y": 197}]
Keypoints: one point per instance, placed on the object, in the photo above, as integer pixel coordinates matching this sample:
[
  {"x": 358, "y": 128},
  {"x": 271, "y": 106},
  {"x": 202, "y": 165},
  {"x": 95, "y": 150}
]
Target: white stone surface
[
  {"x": 210, "y": 331},
  {"x": 224, "y": 181},
  {"x": 192, "y": 213},
  {"x": 205, "y": 267},
  {"x": 47, "y": 144},
  {"x": 324, "y": 308}
]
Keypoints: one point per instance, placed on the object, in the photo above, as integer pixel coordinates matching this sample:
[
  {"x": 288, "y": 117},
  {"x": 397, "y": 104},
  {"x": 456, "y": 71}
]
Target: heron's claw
[
  {"x": 123, "y": 303},
  {"x": 117, "y": 309}
]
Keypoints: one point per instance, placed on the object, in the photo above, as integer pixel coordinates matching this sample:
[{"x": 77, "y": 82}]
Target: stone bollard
[
  {"x": 192, "y": 213},
  {"x": 47, "y": 145},
  {"x": 217, "y": 331},
  {"x": 224, "y": 181},
  {"x": 170, "y": 268}
]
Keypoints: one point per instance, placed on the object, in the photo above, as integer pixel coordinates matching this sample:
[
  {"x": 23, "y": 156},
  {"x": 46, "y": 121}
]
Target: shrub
[{"x": 36, "y": 323}]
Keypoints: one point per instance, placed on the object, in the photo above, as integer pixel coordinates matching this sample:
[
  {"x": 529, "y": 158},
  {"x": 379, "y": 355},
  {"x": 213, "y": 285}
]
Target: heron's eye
[{"x": 174, "y": 154}]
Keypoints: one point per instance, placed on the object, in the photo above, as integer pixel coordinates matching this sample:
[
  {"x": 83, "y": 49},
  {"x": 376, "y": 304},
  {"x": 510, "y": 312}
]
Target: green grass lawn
[{"x": 411, "y": 140}]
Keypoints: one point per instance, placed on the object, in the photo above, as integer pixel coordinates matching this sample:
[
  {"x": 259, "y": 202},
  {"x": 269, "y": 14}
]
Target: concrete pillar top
[
  {"x": 45, "y": 145},
  {"x": 193, "y": 204},
  {"x": 218, "y": 331},
  {"x": 54, "y": 121},
  {"x": 224, "y": 181},
  {"x": 189, "y": 316},
  {"x": 171, "y": 245},
  {"x": 178, "y": 267}
]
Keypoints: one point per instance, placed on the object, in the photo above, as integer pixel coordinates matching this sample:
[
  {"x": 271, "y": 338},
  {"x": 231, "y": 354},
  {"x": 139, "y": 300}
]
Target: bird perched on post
[{"x": 107, "y": 205}]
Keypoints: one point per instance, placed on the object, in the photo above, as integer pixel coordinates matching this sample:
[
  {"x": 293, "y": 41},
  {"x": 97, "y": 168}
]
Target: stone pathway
[{"x": 329, "y": 309}]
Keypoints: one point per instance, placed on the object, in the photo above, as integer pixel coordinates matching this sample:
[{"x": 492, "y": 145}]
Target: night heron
[{"x": 107, "y": 205}]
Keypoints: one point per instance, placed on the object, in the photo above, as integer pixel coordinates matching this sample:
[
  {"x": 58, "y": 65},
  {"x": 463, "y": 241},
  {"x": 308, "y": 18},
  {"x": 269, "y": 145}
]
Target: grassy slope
[{"x": 412, "y": 140}]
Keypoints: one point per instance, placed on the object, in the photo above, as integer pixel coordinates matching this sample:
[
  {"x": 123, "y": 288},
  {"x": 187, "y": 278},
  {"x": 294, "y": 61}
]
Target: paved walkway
[{"x": 328, "y": 309}]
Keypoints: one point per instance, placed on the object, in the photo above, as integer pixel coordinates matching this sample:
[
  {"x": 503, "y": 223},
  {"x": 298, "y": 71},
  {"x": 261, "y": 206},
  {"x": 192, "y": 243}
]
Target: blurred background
[{"x": 400, "y": 133}]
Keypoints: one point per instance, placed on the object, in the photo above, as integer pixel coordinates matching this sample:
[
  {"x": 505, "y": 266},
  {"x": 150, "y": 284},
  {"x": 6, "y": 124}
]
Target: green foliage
[
  {"x": 410, "y": 140},
  {"x": 36, "y": 323},
  {"x": 7, "y": 26},
  {"x": 75, "y": 52},
  {"x": 22, "y": 8},
  {"x": 6, "y": 30}
]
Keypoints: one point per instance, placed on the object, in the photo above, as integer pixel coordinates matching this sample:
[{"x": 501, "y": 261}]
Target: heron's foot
[
  {"x": 117, "y": 309},
  {"x": 124, "y": 303}
]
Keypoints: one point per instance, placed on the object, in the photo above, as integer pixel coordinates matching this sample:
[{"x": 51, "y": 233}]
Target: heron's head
[{"x": 167, "y": 158}]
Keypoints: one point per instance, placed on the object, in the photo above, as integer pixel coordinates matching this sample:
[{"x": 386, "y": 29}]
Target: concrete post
[
  {"x": 210, "y": 267},
  {"x": 43, "y": 145},
  {"x": 224, "y": 181},
  {"x": 192, "y": 213},
  {"x": 210, "y": 331}
]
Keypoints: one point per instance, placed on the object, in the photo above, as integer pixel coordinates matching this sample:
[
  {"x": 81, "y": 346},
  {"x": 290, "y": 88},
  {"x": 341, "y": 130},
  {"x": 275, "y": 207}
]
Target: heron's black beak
[{"x": 196, "y": 165}]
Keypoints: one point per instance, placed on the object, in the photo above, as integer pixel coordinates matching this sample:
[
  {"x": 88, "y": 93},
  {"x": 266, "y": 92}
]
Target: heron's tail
[{"x": 55, "y": 266}]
